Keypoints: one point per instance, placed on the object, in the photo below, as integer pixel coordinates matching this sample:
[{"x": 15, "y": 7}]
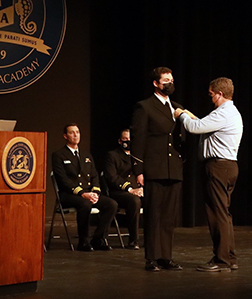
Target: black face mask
[
  {"x": 125, "y": 145},
  {"x": 168, "y": 88}
]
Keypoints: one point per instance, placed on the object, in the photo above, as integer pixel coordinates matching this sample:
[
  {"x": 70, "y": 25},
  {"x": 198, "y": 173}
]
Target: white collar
[
  {"x": 166, "y": 101},
  {"x": 162, "y": 100},
  {"x": 73, "y": 150}
]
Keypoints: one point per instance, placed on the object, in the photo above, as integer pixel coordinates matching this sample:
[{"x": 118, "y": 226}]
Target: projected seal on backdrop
[
  {"x": 31, "y": 35},
  {"x": 18, "y": 163}
]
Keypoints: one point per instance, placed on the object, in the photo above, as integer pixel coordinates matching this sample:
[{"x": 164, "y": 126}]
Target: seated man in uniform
[
  {"x": 123, "y": 186},
  {"x": 78, "y": 183}
]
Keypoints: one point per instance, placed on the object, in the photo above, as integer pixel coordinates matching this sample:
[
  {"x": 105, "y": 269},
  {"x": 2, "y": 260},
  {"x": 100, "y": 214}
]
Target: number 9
[{"x": 3, "y": 54}]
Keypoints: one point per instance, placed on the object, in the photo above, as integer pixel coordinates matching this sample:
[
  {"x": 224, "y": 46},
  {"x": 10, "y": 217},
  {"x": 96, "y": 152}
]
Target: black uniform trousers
[
  {"x": 221, "y": 176},
  {"x": 132, "y": 205},
  {"x": 160, "y": 207},
  {"x": 107, "y": 207}
]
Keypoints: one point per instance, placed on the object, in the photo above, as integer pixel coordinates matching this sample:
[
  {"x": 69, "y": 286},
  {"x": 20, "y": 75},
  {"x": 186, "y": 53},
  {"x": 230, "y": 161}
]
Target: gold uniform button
[
  {"x": 129, "y": 176},
  {"x": 80, "y": 183},
  {"x": 79, "y": 175},
  {"x": 179, "y": 156},
  {"x": 170, "y": 154},
  {"x": 89, "y": 183},
  {"x": 170, "y": 134},
  {"x": 170, "y": 144},
  {"x": 88, "y": 175}
]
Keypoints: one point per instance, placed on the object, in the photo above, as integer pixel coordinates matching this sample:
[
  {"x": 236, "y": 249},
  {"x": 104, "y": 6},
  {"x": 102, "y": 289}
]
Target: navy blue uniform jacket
[
  {"x": 69, "y": 179},
  {"x": 156, "y": 141}
]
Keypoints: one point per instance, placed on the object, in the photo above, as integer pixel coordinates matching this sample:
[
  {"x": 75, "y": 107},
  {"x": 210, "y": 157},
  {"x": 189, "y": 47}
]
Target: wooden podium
[{"x": 22, "y": 206}]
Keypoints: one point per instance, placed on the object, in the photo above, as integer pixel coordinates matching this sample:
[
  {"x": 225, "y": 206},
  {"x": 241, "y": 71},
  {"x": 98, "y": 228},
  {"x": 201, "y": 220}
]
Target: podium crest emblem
[{"x": 18, "y": 163}]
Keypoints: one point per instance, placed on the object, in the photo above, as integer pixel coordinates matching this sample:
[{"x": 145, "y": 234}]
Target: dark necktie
[
  {"x": 168, "y": 109},
  {"x": 77, "y": 159}
]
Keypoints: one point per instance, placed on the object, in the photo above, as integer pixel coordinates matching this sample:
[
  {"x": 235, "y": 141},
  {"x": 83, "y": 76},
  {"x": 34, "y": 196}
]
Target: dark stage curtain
[{"x": 200, "y": 41}]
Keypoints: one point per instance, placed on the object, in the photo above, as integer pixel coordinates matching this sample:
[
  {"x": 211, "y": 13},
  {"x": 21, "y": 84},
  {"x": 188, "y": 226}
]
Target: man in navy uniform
[
  {"x": 123, "y": 185},
  {"x": 158, "y": 166},
  {"x": 79, "y": 187}
]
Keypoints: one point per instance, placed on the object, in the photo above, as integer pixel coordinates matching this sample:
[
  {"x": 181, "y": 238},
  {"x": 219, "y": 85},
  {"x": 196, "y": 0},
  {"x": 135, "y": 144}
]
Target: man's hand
[
  {"x": 177, "y": 112},
  {"x": 91, "y": 196},
  {"x": 140, "y": 179},
  {"x": 190, "y": 114},
  {"x": 137, "y": 191}
]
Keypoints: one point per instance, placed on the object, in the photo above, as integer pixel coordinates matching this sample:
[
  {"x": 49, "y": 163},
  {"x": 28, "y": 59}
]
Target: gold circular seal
[{"x": 18, "y": 163}]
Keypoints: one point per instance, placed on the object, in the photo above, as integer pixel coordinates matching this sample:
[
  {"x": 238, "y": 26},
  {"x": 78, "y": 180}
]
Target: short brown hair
[
  {"x": 157, "y": 72},
  {"x": 224, "y": 85},
  {"x": 69, "y": 125},
  {"x": 124, "y": 130}
]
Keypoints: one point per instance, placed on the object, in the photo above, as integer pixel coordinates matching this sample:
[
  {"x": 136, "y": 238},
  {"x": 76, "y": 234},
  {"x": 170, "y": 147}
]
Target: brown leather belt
[{"x": 219, "y": 160}]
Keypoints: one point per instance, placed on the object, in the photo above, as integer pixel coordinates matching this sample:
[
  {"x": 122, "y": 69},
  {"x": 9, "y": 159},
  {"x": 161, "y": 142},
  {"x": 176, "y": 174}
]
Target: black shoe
[
  {"x": 85, "y": 247},
  {"x": 151, "y": 266},
  {"x": 213, "y": 267},
  {"x": 169, "y": 265},
  {"x": 234, "y": 267},
  {"x": 103, "y": 247},
  {"x": 133, "y": 245},
  {"x": 100, "y": 244}
]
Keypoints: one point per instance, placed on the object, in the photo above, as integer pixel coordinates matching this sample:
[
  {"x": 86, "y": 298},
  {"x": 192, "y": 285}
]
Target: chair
[{"x": 59, "y": 210}]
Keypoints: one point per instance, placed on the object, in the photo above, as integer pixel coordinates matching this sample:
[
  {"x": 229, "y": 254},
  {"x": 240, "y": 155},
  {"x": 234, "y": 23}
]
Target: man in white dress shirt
[{"x": 219, "y": 143}]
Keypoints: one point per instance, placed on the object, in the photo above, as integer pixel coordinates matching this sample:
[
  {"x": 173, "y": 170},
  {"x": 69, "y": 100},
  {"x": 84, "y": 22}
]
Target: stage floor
[{"x": 120, "y": 273}]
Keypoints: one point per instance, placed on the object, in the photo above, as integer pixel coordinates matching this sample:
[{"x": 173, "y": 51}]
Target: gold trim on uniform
[
  {"x": 77, "y": 190},
  {"x": 95, "y": 189},
  {"x": 125, "y": 185}
]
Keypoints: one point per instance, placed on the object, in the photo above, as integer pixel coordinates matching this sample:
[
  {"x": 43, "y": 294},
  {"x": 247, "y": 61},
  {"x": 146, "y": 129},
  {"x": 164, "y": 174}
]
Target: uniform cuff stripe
[
  {"x": 96, "y": 189},
  {"x": 77, "y": 190},
  {"x": 125, "y": 185}
]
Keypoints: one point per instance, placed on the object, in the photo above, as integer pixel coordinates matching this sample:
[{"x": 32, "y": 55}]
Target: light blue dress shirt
[{"x": 221, "y": 131}]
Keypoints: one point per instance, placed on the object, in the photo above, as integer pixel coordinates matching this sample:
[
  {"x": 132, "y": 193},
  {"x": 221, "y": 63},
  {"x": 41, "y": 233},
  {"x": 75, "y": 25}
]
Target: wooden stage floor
[{"x": 120, "y": 273}]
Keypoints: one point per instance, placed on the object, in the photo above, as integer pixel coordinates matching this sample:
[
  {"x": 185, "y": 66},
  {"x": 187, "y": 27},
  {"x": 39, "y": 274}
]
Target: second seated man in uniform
[
  {"x": 78, "y": 183},
  {"x": 158, "y": 167},
  {"x": 123, "y": 186}
]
